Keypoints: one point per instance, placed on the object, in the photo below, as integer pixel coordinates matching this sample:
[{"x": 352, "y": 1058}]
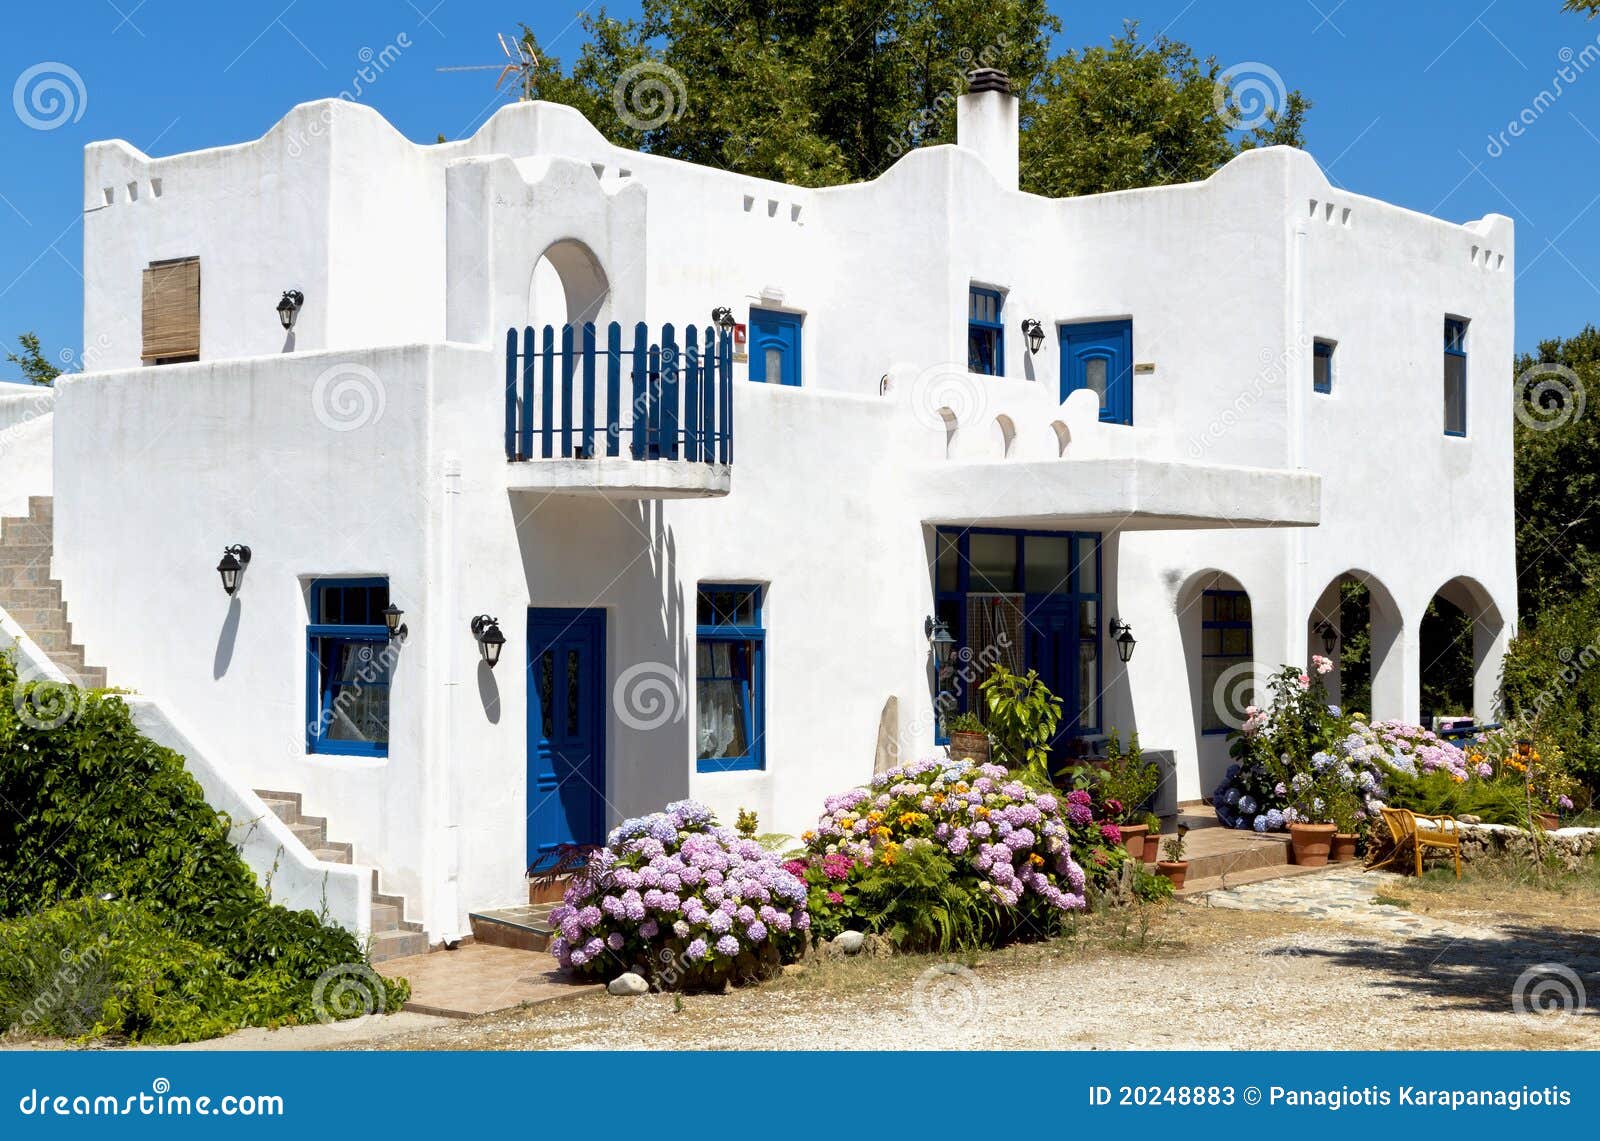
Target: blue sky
[{"x": 1411, "y": 100}]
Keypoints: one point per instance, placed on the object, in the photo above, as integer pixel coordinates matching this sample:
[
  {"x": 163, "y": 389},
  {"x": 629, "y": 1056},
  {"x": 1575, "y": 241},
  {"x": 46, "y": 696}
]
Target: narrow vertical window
[
  {"x": 1322, "y": 366},
  {"x": 1455, "y": 376},
  {"x": 730, "y": 647},
  {"x": 349, "y": 659},
  {"x": 171, "y": 311},
  {"x": 986, "y": 334},
  {"x": 1227, "y": 641}
]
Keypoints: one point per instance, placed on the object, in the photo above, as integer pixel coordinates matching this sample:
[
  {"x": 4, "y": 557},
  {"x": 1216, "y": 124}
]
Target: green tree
[
  {"x": 1557, "y": 455},
  {"x": 1139, "y": 114},
  {"x": 1589, "y": 6},
  {"x": 835, "y": 91},
  {"x": 36, "y": 368}
]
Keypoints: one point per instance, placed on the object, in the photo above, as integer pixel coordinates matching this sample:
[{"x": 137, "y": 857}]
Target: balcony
[{"x": 645, "y": 419}]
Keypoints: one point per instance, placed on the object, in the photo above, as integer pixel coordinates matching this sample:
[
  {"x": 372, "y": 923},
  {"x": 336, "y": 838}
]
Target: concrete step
[
  {"x": 41, "y": 508},
  {"x": 25, "y": 574},
  {"x": 385, "y": 917},
  {"x": 397, "y": 944},
  {"x": 284, "y": 809},
  {"x": 54, "y": 642},
  {"x": 519, "y": 928},
  {"x": 34, "y": 619},
  {"x": 91, "y": 677},
  {"x": 22, "y": 533},
  {"x": 313, "y": 836},
  {"x": 333, "y": 853}
]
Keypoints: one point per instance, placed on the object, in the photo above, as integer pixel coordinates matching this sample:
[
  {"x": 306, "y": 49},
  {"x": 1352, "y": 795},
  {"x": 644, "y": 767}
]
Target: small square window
[{"x": 1322, "y": 366}]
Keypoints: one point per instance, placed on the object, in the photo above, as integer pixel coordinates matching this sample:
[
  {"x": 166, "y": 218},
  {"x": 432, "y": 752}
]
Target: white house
[{"x": 1243, "y": 389}]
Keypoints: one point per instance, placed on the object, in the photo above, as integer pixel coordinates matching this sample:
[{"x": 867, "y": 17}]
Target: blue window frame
[
  {"x": 1322, "y": 366},
  {"x": 349, "y": 664},
  {"x": 1041, "y": 589},
  {"x": 775, "y": 347},
  {"x": 1098, "y": 355},
  {"x": 1227, "y": 640},
  {"x": 730, "y": 679},
  {"x": 986, "y": 332},
  {"x": 1455, "y": 376}
]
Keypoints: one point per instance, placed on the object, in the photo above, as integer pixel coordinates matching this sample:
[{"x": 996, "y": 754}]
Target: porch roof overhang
[{"x": 1128, "y": 494}]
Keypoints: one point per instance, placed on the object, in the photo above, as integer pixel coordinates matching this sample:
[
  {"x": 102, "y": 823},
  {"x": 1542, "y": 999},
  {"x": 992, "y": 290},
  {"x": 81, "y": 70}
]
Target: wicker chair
[{"x": 1408, "y": 830}]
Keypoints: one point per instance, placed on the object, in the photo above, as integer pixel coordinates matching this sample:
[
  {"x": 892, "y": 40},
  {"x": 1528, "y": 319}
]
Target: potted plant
[
  {"x": 1128, "y": 781},
  {"x": 1174, "y": 867},
  {"x": 968, "y": 738},
  {"x": 1152, "y": 838},
  {"x": 1346, "y": 835}
]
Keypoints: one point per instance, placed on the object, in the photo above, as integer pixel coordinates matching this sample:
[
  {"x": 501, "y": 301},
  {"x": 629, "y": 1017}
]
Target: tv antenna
[{"x": 520, "y": 62}]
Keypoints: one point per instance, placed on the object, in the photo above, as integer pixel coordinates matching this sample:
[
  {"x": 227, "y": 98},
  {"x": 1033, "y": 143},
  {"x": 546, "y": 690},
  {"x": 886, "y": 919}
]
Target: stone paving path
[{"x": 1341, "y": 895}]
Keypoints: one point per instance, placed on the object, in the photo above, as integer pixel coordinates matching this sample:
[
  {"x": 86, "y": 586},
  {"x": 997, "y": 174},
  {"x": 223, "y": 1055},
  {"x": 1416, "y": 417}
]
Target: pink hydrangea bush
[
  {"x": 683, "y": 901},
  {"x": 1009, "y": 843}
]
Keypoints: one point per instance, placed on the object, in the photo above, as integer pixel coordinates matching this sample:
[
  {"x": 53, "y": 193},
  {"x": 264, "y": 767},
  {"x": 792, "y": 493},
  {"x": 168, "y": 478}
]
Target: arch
[
  {"x": 1374, "y": 671},
  {"x": 568, "y": 285},
  {"x": 1461, "y": 645},
  {"x": 951, "y": 427},
  {"x": 1008, "y": 433},
  {"x": 1216, "y": 625},
  {"x": 1063, "y": 436}
]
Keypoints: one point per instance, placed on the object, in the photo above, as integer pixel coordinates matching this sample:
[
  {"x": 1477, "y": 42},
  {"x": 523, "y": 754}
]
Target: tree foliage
[
  {"x": 819, "y": 94},
  {"x": 36, "y": 368}
]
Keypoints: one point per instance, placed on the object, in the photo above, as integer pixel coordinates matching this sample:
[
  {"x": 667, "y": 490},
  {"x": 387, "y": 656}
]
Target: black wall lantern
[
  {"x": 1035, "y": 334},
  {"x": 722, "y": 316},
  {"x": 1329, "y": 636},
  {"x": 938, "y": 635},
  {"x": 394, "y": 618},
  {"x": 490, "y": 640},
  {"x": 234, "y": 560},
  {"x": 289, "y": 308},
  {"x": 1123, "y": 634}
]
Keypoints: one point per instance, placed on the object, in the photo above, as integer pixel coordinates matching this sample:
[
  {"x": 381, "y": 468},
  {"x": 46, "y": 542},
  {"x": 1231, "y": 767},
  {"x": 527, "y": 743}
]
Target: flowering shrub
[
  {"x": 685, "y": 901},
  {"x": 941, "y": 853}
]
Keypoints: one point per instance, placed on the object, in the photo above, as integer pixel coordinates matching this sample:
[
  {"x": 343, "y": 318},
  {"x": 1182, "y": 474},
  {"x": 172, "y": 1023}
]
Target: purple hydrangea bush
[
  {"x": 1010, "y": 842},
  {"x": 683, "y": 901}
]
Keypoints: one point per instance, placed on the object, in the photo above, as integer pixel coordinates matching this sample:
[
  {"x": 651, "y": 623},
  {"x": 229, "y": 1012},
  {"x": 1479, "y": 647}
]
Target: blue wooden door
[
  {"x": 774, "y": 347},
  {"x": 1099, "y": 356},
  {"x": 566, "y": 730},
  {"x": 1051, "y": 647}
]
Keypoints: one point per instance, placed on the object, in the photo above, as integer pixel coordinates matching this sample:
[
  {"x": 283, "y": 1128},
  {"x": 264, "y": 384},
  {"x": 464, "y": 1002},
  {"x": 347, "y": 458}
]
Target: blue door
[
  {"x": 566, "y": 730},
  {"x": 1063, "y": 650},
  {"x": 1099, "y": 356},
  {"x": 774, "y": 347}
]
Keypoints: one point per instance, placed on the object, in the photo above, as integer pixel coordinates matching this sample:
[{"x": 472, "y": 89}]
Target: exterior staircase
[
  {"x": 32, "y": 597},
  {"x": 392, "y": 936}
]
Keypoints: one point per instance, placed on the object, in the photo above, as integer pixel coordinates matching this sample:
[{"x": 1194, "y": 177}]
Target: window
[
  {"x": 775, "y": 347},
  {"x": 1322, "y": 366},
  {"x": 730, "y": 645},
  {"x": 1455, "y": 376},
  {"x": 171, "y": 311},
  {"x": 1226, "y": 641},
  {"x": 986, "y": 334},
  {"x": 348, "y": 668}
]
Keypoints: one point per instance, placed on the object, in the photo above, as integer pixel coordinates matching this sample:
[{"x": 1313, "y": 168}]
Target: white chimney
[{"x": 986, "y": 123}]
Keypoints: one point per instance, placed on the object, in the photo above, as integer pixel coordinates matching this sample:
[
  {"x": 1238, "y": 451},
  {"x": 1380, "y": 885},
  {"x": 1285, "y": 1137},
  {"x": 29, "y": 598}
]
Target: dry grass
[{"x": 1504, "y": 892}]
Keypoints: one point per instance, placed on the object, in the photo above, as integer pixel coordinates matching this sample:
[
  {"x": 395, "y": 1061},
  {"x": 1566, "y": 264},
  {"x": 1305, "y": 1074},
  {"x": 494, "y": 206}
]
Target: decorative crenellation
[
  {"x": 773, "y": 207},
  {"x": 1485, "y": 258},
  {"x": 131, "y": 191},
  {"x": 1330, "y": 213}
]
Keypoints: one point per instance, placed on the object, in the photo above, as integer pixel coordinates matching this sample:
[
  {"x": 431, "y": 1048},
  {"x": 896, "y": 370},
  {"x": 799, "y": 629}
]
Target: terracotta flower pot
[
  {"x": 1174, "y": 870},
  {"x": 970, "y": 745},
  {"x": 1548, "y": 820},
  {"x": 1344, "y": 847},
  {"x": 1310, "y": 843},
  {"x": 1152, "y": 846},
  {"x": 1133, "y": 838}
]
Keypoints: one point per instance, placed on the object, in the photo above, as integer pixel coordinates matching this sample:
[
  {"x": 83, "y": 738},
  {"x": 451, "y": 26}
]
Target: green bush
[
  {"x": 91, "y": 807},
  {"x": 1551, "y": 681}
]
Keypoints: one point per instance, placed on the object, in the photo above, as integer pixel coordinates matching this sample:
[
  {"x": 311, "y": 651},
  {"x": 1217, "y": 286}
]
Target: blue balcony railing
[{"x": 568, "y": 397}]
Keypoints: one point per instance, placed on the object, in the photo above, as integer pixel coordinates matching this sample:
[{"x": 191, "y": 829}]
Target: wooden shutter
[{"x": 172, "y": 309}]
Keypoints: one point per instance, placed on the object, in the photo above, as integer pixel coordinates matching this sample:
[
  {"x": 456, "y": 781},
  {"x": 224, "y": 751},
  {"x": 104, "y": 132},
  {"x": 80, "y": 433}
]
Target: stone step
[
  {"x": 43, "y": 597},
  {"x": 334, "y": 853},
  {"x": 283, "y": 808},
  {"x": 24, "y": 574},
  {"x": 41, "y": 508},
  {"x": 385, "y": 917},
  {"x": 92, "y": 677},
  {"x": 25, "y": 533},
  {"x": 313, "y": 836},
  {"x": 397, "y": 944},
  {"x": 1196, "y": 887},
  {"x": 35, "y": 620}
]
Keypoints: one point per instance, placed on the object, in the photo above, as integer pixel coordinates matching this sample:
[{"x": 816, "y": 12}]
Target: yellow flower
[
  {"x": 980, "y": 812},
  {"x": 847, "y": 823},
  {"x": 808, "y": 836},
  {"x": 1036, "y": 859},
  {"x": 889, "y": 853},
  {"x": 874, "y": 817},
  {"x": 882, "y": 833},
  {"x": 909, "y": 819}
]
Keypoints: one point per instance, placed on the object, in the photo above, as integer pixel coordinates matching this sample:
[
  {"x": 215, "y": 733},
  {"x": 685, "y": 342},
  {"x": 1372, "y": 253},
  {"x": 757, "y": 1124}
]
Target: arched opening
[
  {"x": 568, "y": 286},
  {"x": 1217, "y": 625},
  {"x": 1063, "y": 436},
  {"x": 1008, "y": 433},
  {"x": 1357, "y": 616},
  {"x": 1461, "y": 641}
]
